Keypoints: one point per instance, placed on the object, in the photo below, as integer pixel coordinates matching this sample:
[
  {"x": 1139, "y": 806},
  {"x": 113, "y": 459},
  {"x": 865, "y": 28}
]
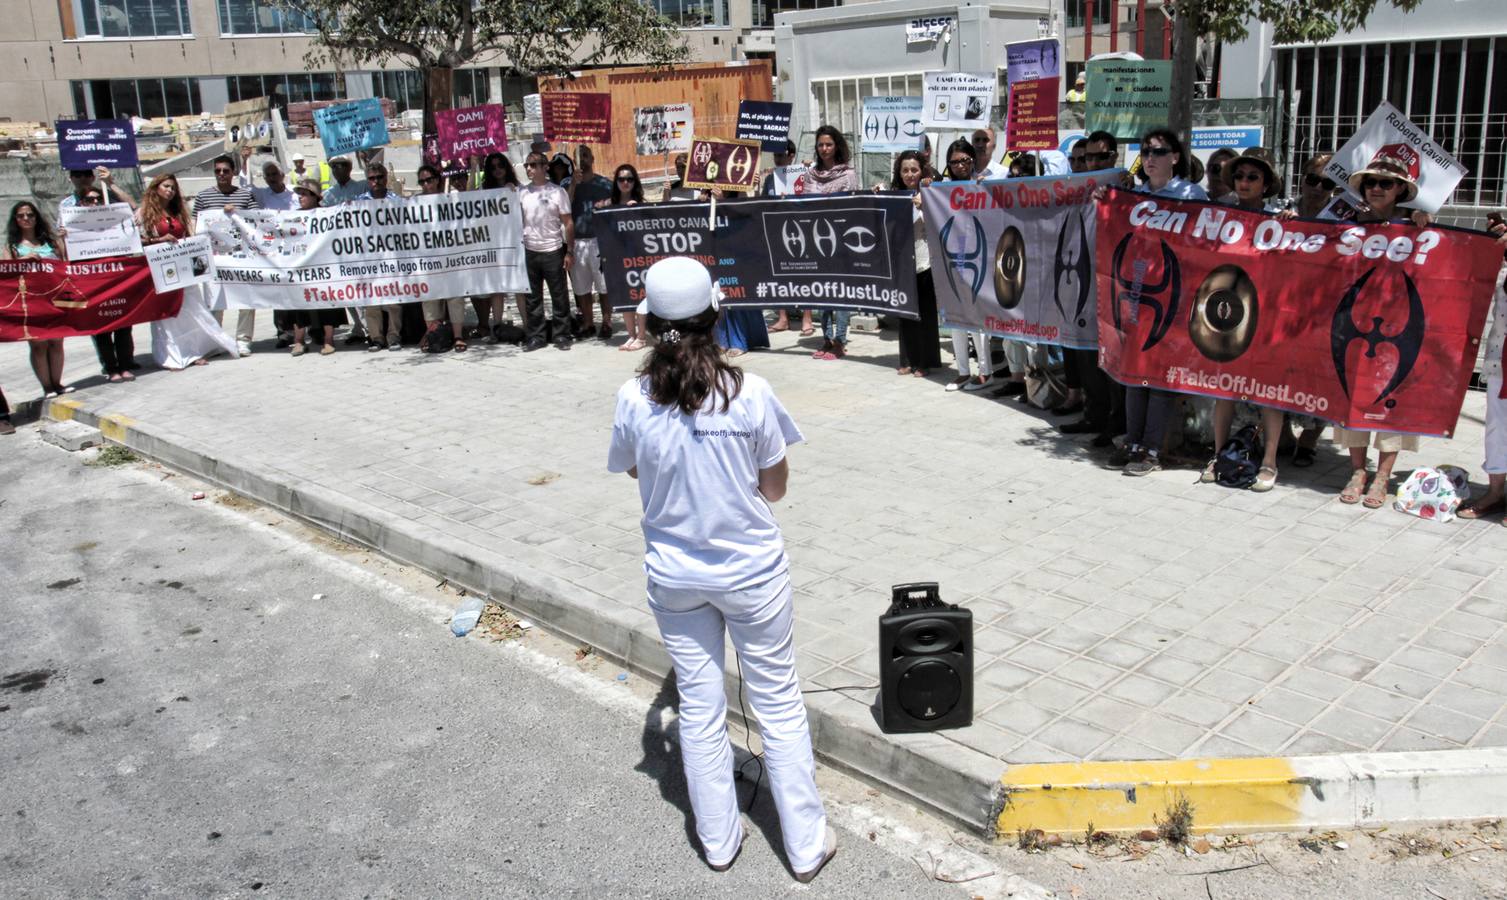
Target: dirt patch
[
  {"x": 28, "y": 681},
  {"x": 112, "y": 455},
  {"x": 233, "y": 500},
  {"x": 544, "y": 478},
  {"x": 497, "y": 624}
]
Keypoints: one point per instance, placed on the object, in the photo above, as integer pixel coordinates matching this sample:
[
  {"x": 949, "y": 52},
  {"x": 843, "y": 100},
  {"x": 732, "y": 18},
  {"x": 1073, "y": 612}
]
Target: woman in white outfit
[
  {"x": 707, "y": 444},
  {"x": 193, "y": 335},
  {"x": 1494, "y": 501}
]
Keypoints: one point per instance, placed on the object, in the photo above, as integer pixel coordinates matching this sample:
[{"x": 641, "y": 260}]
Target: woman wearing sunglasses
[
  {"x": 1383, "y": 184},
  {"x": 497, "y": 172},
  {"x": 960, "y": 163},
  {"x": 1164, "y": 173},
  {"x": 29, "y": 236},
  {"x": 627, "y": 190}
]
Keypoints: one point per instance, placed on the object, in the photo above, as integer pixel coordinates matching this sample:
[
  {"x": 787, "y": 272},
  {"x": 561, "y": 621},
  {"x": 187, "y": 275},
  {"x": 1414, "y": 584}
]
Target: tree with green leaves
[
  {"x": 532, "y": 37},
  {"x": 1292, "y": 21}
]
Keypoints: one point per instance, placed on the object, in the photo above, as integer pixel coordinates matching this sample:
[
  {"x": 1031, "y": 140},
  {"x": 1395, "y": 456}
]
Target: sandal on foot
[
  {"x": 1482, "y": 510},
  {"x": 1354, "y": 487},
  {"x": 1266, "y": 479},
  {"x": 903, "y": 370},
  {"x": 807, "y": 332},
  {"x": 1376, "y": 494},
  {"x": 1207, "y": 476},
  {"x": 460, "y": 347},
  {"x": 778, "y": 326}
]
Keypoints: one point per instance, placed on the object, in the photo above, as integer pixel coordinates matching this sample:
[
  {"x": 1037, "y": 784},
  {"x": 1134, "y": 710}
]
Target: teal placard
[
  {"x": 1127, "y": 97},
  {"x": 358, "y": 125}
]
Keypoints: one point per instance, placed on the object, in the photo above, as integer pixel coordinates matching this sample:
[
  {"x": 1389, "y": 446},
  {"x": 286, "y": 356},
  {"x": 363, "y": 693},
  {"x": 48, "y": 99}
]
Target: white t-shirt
[
  {"x": 286, "y": 199},
  {"x": 705, "y": 523},
  {"x": 543, "y": 204}
]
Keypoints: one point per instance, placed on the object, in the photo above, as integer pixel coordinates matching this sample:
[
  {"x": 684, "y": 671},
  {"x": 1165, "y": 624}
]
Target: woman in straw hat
[
  {"x": 706, "y": 442},
  {"x": 1389, "y": 180}
]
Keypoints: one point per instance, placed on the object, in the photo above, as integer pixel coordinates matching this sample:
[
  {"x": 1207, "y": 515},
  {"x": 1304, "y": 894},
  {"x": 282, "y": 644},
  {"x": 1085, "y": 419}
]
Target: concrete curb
[
  {"x": 944, "y": 775},
  {"x": 1339, "y": 791}
]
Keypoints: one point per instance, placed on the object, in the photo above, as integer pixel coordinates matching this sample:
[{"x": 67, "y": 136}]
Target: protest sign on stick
[{"x": 95, "y": 232}]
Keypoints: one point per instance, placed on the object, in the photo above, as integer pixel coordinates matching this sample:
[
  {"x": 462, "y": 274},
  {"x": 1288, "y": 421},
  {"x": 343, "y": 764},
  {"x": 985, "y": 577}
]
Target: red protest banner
[
  {"x": 577, "y": 117},
  {"x": 472, "y": 131},
  {"x": 41, "y": 299},
  {"x": 1032, "y": 122},
  {"x": 1372, "y": 326},
  {"x": 728, "y": 165}
]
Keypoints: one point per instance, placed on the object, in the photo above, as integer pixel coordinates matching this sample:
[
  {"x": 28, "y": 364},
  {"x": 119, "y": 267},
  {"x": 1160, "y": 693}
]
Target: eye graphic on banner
[
  {"x": 1010, "y": 268},
  {"x": 963, "y": 260},
  {"x": 1406, "y": 343},
  {"x": 1073, "y": 270},
  {"x": 1223, "y": 321},
  {"x": 1137, "y": 293},
  {"x": 849, "y": 240},
  {"x": 860, "y": 239}
]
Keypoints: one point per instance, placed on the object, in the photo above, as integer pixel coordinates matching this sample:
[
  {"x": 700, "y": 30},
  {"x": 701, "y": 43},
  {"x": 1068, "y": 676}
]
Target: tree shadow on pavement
[{"x": 662, "y": 761}]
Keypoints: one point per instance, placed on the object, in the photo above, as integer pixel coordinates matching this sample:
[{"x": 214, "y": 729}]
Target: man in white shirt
[
  {"x": 548, "y": 235},
  {"x": 344, "y": 189},
  {"x": 983, "y": 152},
  {"x": 277, "y": 194}
]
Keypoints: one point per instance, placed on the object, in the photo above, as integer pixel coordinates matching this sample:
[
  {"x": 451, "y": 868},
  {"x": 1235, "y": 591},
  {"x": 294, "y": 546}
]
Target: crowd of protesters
[{"x": 560, "y": 194}]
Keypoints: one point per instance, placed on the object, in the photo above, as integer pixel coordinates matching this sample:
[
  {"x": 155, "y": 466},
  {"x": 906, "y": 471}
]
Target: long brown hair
[
  {"x": 153, "y": 210},
  {"x": 686, "y": 365}
]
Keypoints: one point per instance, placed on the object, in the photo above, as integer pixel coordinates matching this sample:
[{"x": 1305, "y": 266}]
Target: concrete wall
[{"x": 868, "y": 39}]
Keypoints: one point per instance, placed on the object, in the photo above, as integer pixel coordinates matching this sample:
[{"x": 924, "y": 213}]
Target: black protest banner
[{"x": 853, "y": 252}]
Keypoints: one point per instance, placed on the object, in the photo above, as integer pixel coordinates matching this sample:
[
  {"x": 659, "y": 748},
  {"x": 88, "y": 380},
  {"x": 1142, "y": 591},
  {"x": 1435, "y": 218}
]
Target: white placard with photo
[
  {"x": 176, "y": 264},
  {"x": 957, "y": 100},
  {"x": 1387, "y": 127}
]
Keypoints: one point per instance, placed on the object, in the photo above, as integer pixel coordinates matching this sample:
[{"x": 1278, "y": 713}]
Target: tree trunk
[
  {"x": 439, "y": 83},
  {"x": 1184, "y": 67}
]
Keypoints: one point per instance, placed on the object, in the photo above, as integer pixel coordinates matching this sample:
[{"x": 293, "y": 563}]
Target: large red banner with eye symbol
[{"x": 1372, "y": 326}]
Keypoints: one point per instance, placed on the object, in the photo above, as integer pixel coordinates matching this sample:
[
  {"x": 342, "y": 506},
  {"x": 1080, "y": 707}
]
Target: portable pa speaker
[{"x": 925, "y": 662}]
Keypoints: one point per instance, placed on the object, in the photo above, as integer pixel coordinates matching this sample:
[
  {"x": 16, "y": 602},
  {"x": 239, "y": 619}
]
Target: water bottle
[{"x": 466, "y": 616}]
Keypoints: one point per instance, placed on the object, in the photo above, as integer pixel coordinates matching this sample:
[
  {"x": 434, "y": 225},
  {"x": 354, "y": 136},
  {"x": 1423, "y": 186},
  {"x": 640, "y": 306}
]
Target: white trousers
[
  {"x": 1018, "y": 356},
  {"x": 760, "y": 621},
  {"x": 980, "y": 346},
  {"x": 1496, "y": 428}
]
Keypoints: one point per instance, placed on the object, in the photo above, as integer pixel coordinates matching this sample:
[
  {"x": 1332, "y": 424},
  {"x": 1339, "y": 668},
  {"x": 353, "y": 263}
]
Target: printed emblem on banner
[
  {"x": 1073, "y": 270},
  {"x": 1223, "y": 322},
  {"x": 737, "y": 164},
  {"x": 703, "y": 153},
  {"x": 1407, "y": 342},
  {"x": 1010, "y": 268},
  {"x": 965, "y": 261},
  {"x": 845, "y": 243},
  {"x": 1161, "y": 298}
]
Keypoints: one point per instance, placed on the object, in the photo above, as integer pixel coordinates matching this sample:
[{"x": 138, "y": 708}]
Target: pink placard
[{"x": 472, "y": 131}]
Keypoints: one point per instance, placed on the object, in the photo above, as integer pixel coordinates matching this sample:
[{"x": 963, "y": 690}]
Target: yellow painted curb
[
  {"x": 1226, "y": 795},
  {"x": 62, "y": 409},
  {"x": 115, "y": 425}
]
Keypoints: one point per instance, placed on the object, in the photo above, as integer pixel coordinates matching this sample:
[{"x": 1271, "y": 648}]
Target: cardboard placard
[
  {"x": 577, "y": 117},
  {"x": 725, "y": 165}
]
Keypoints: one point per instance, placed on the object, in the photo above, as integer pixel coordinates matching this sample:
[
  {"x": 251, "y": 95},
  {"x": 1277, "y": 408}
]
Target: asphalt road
[{"x": 181, "y": 716}]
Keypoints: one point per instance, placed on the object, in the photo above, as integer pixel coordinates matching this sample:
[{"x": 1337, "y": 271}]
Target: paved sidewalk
[{"x": 1116, "y": 618}]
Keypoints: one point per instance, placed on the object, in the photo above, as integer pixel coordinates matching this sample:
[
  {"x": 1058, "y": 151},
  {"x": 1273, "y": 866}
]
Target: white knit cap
[{"x": 678, "y": 287}]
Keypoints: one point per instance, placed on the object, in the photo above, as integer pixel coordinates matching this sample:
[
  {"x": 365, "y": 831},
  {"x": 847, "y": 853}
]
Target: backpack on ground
[
  {"x": 441, "y": 339},
  {"x": 1238, "y": 461},
  {"x": 508, "y": 333}
]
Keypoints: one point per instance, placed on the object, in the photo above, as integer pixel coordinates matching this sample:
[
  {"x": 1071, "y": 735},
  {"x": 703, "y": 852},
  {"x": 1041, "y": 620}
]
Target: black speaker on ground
[{"x": 925, "y": 662}]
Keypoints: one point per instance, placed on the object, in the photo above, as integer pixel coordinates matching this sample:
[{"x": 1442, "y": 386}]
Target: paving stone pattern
[{"x": 1116, "y": 618}]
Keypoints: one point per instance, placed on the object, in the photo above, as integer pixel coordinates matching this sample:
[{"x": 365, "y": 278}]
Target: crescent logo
[
  {"x": 1073, "y": 268},
  {"x": 912, "y": 128},
  {"x": 794, "y": 238},
  {"x": 891, "y": 128},
  {"x": 964, "y": 261},
  {"x": 824, "y": 237},
  {"x": 1161, "y": 298},
  {"x": 1407, "y": 342},
  {"x": 871, "y": 127},
  {"x": 738, "y": 165},
  {"x": 859, "y": 239}
]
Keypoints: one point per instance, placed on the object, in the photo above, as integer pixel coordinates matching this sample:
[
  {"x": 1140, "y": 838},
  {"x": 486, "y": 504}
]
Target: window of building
[
  {"x": 694, "y": 13},
  {"x": 299, "y": 87},
  {"x": 469, "y": 87},
  {"x": 130, "y": 18},
  {"x": 260, "y": 17},
  {"x": 149, "y": 97},
  {"x": 764, "y": 10},
  {"x": 1076, "y": 8}
]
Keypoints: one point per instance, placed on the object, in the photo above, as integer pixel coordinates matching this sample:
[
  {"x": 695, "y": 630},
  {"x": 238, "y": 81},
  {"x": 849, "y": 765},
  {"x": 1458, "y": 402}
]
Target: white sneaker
[{"x": 244, "y": 347}]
